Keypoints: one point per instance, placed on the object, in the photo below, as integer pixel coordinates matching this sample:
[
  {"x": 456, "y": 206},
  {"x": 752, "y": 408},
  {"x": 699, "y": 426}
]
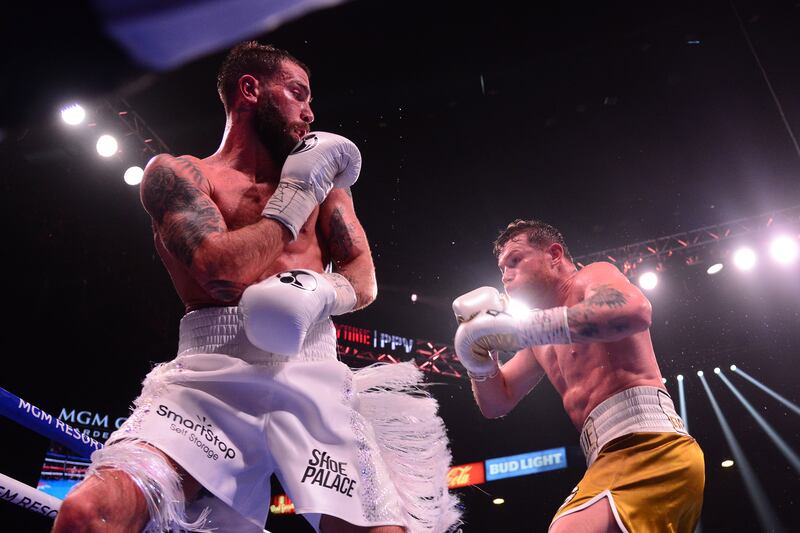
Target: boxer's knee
[
  {"x": 77, "y": 515},
  {"x": 110, "y": 501}
]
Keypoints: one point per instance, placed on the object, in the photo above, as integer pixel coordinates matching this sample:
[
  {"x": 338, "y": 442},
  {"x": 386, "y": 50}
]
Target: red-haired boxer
[
  {"x": 588, "y": 331},
  {"x": 256, "y": 387}
]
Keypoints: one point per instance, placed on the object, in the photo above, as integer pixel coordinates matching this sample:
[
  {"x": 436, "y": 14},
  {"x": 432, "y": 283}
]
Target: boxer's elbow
[
  {"x": 366, "y": 288},
  {"x": 640, "y": 316},
  {"x": 493, "y": 408},
  {"x": 644, "y": 315},
  {"x": 493, "y": 412},
  {"x": 368, "y": 295}
]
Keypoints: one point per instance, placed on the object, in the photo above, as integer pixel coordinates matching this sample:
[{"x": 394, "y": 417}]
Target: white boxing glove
[
  {"x": 278, "y": 312},
  {"x": 480, "y": 364},
  {"x": 319, "y": 162},
  {"x": 487, "y": 326},
  {"x": 467, "y": 306}
]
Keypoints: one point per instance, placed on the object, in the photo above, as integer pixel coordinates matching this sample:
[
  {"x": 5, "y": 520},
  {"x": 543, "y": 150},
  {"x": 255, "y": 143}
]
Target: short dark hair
[
  {"x": 250, "y": 57},
  {"x": 539, "y": 234}
]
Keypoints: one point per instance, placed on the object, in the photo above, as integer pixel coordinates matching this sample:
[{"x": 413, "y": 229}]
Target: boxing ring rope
[
  {"x": 29, "y": 416},
  {"x": 33, "y": 418},
  {"x": 28, "y": 497}
]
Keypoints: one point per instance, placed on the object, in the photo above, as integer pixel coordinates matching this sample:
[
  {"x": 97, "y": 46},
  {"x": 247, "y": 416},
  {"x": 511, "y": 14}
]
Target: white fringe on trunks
[{"x": 412, "y": 441}]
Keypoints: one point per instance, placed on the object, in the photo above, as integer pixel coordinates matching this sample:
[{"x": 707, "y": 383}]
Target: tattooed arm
[
  {"x": 176, "y": 194},
  {"x": 347, "y": 244},
  {"x": 612, "y": 307}
]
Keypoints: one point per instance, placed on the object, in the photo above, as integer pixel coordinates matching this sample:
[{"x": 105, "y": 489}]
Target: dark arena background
[{"x": 659, "y": 136}]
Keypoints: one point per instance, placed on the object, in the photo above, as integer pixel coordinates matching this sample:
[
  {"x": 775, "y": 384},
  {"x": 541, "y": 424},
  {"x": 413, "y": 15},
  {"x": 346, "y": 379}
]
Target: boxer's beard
[{"x": 274, "y": 131}]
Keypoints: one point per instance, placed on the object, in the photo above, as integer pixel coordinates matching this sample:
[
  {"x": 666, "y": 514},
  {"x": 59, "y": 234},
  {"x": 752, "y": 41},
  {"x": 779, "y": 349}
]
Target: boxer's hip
[{"x": 636, "y": 410}]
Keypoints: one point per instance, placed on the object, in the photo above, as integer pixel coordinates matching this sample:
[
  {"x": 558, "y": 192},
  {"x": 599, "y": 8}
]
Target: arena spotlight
[
  {"x": 733, "y": 368},
  {"x": 791, "y": 405},
  {"x": 700, "y": 373},
  {"x": 133, "y": 176},
  {"x": 663, "y": 380},
  {"x": 717, "y": 370},
  {"x": 498, "y": 501},
  {"x": 764, "y": 511},
  {"x": 713, "y": 269},
  {"x": 414, "y": 297},
  {"x": 783, "y": 249},
  {"x": 107, "y": 146},
  {"x": 648, "y": 281},
  {"x": 744, "y": 258},
  {"x": 781, "y": 444},
  {"x": 682, "y": 402},
  {"x": 727, "y": 463},
  {"x": 73, "y": 114}
]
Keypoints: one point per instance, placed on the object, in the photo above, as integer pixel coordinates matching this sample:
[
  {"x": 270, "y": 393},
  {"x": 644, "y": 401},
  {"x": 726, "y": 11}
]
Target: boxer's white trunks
[{"x": 367, "y": 447}]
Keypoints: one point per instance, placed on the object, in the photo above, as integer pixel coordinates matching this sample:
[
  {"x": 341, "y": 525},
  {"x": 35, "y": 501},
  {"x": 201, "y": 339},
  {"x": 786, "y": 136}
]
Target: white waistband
[
  {"x": 220, "y": 330},
  {"x": 638, "y": 409}
]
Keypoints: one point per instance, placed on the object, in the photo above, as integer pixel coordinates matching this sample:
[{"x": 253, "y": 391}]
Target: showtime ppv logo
[
  {"x": 353, "y": 334},
  {"x": 374, "y": 338}
]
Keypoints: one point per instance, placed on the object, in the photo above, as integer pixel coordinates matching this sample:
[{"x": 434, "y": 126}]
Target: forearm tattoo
[
  {"x": 620, "y": 325},
  {"x": 342, "y": 238},
  {"x": 589, "y": 330},
  {"x": 183, "y": 214},
  {"x": 583, "y": 318},
  {"x": 581, "y": 323},
  {"x": 225, "y": 291}
]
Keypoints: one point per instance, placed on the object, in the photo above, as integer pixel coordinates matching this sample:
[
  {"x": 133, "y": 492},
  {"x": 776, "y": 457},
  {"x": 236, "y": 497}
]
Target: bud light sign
[{"x": 526, "y": 463}]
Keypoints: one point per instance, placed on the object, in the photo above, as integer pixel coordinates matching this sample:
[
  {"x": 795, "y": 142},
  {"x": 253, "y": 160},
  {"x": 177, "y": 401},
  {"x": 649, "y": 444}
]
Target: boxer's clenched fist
[
  {"x": 477, "y": 359},
  {"x": 486, "y": 326},
  {"x": 319, "y": 162},
  {"x": 278, "y": 312}
]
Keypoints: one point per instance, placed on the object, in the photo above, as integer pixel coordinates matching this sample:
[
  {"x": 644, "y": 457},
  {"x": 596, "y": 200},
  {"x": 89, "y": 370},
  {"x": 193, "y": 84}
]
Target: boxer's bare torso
[
  {"x": 240, "y": 200},
  {"x": 608, "y": 318},
  {"x": 586, "y": 374}
]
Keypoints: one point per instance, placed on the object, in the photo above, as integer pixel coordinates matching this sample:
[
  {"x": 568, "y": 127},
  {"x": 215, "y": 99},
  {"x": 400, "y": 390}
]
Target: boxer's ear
[
  {"x": 556, "y": 252},
  {"x": 248, "y": 88}
]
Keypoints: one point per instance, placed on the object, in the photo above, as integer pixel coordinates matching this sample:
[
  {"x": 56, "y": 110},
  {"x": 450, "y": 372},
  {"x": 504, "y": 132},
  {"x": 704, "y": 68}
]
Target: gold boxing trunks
[{"x": 649, "y": 468}]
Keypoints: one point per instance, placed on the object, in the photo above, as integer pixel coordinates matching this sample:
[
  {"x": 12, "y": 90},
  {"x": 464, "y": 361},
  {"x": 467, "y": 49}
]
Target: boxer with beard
[{"x": 263, "y": 245}]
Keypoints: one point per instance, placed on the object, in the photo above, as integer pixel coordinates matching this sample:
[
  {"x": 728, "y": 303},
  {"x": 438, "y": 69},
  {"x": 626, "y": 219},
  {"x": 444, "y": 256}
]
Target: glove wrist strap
[
  {"x": 483, "y": 377},
  {"x": 346, "y": 298},
  {"x": 290, "y": 205},
  {"x": 545, "y": 326}
]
